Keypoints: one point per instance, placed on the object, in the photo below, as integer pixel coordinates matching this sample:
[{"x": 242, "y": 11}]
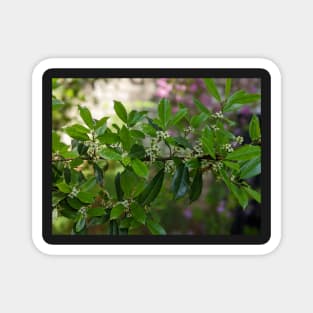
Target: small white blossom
[
  {"x": 73, "y": 193},
  {"x": 228, "y": 147},
  {"x": 218, "y": 114},
  {"x": 83, "y": 211},
  {"x": 239, "y": 140},
  {"x": 214, "y": 127},
  {"x": 169, "y": 166}
]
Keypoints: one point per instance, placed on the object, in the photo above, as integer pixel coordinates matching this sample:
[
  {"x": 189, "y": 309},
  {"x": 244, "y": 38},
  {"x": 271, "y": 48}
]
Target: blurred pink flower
[
  {"x": 193, "y": 87},
  {"x": 205, "y": 99},
  {"x": 187, "y": 213}
]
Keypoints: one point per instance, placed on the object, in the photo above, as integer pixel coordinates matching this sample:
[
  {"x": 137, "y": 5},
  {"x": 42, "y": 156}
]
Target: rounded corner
[
  {"x": 271, "y": 245},
  {"x": 270, "y": 66}
]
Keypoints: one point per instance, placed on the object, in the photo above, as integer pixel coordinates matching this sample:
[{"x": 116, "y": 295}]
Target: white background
[{"x": 34, "y": 30}]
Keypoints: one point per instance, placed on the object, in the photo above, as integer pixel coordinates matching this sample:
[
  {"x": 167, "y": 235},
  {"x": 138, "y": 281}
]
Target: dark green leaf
[
  {"x": 201, "y": 107},
  {"x": 78, "y": 132},
  {"x": 164, "y": 111},
  {"x": 178, "y": 116},
  {"x": 212, "y": 89},
  {"x": 155, "y": 228},
  {"x": 110, "y": 154},
  {"x": 149, "y": 130},
  {"x": 250, "y": 168},
  {"x": 109, "y": 138},
  {"x": 120, "y": 111},
  {"x": 137, "y": 151},
  {"x": 140, "y": 168},
  {"x": 98, "y": 174},
  {"x": 117, "y": 211},
  {"x": 67, "y": 175},
  {"x": 240, "y": 195},
  {"x": 197, "y": 120},
  {"x": 180, "y": 182},
  {"x": 137, "y": 134},
  {"x": 134, "y": 117},
  {"x": 152, "y": 189},
  {"x": 181, "y": 142},
  {"x": 232, "y": 165},
  {"x": 85, "y": 197},
  {"x": 254, "y": 128},
  {"x": 80, "y": 224},
  {"x": 239, "y": 99},
  {"x": 74, "y": 203},
  {"x": 138, "y": 212},
  {"x": 95, "y": 212},
  {"x": 118, "y": 188},
  {"x": 253, "y": 194},
  {"x": 244, "y": 153},
  {"x": 86, "y": 116},
  {"x": 228, "y": 87},
  {"x": 207, "y": 140},
  {"x": 113, "y": 229},
  {"x": 131, "y": 184},
  {"x": 196, "y": 186}
]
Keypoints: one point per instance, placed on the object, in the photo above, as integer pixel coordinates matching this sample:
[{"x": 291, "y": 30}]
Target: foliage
[{"x": 195, "y": 144}]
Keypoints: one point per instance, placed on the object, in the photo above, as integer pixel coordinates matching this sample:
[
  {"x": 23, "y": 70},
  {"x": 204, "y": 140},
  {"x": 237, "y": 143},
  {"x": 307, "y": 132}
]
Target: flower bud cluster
[
  {"x": 218, "y": 114},
  {"x": 232, "y": 178},
  {"x": 239, "y": 140},
  {"x": 153, "y": 151},
  {"x": 214, "y": 127},
  {"x": 92, "y": 150},
  {"x": 228, "y": 147},
  {"x": 162, "y": 135},
  {"x": 198, "y": 149},
  {"x": 188, "y": 130},
  {"x": 217, "y": 166},
  {"x": 83, "y": 211},
  {"x": 169, "y": 167},
  {"x": 204, "y": 163},
  {"x": 187, "y": 154},
  {"x": 73, "y": 193}
]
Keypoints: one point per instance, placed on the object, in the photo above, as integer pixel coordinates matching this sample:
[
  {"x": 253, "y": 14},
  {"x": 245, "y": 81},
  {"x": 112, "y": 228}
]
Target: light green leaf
[
  {"x": 178, "y": 116},
  {"x": 78, "y": 132},
  {"x": 138, "y": 212},
  {"x": 86, "y": 116},
  {"x": 126, "y": 139},
  {"x": 120, "y": 111},
  {"x": 254, "y": 128},
  {"x": 117, "y": 211},
  {"x": 253, "y": 194},
  {"x": 85, "y": 197},
  {"x": 155, "y": 228},
  {"x": 109, "y": 138},
  {"x": 110, "y": 154},
  {"x": 80, "y": 224},
  {"x": 239, "y": 99},
  {"x": 197, "y": 120},
  {"x": 207, "y": 140},
  {"x": 63, "y": 187},
  {"x": 250, "y": 168},
  {"x": 244, "y": 153},
  {"x": 201, "y": 107},
  {"x": 164, "y": 111},
  {"x": 228, "y": 87},
  {"x": 134, "y": 117},
  {"x": 140, "y": 168},
  {"x": 212, "y": 89},
  {"x": 95, "y": 212}
]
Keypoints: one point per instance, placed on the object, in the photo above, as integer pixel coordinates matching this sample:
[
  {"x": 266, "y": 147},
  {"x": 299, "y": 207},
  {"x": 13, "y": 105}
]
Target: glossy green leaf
[
  {"x": 196, "y": 186},
  {"x": 109, "y": 138},
  {"x": 113, "y": 228},
  {"x": 118, "y": 188},
  {"x": 86, "y": 116},
  {"x": 232, "y": 165},
  {"x": 155, "y": 228},
  {"x": 134, "y": 117},
  {"x": 80, "y": 224},
  {"x": 63, "y": 187},
  {"x": 201, "y": 107},
  {"x": 207, "y": 140},
  {"x": 178, "y": 116},
  {"x": 140, "y": 168},
  {"x": 254, "y": 128},
  {"x": 212, "y": 89},
  {"x": 85, "y": 197},
  {"x": 199, "y": 119},
  {"x": 253, "y": 194},
  {"x": 120, "y": 111},
  {"x": 181, "y": 142},
  {"x": 239, "y": 99},
  {"x": 227, "y": 87},
  {"x": 138, "y": 212},
  {"x": 67, "y": 175},
  {"x": 117, "y": 211},
  {"x": 74, "y": 203},
  {"x": 110, "y": 154},
  {"x": 137, "y": 134},
  {"x": 250, "y": 168},
  {"x": 131, "y": 184},
  {"x": 98, "y": 173},
  {"x": 126, "y": 139},
  {"x": 240, "y": 195},
  {"x": 244, "y": 153},
  {"x": 78, "y": 132},
  {"x": 180, "y": 182},
  {"x": 164, "y": 110},
  {"x": 152, "y": 190},
  {"x": 137, "y": 151},
  {"x": 149, "y": 130},
  {"x": 91, "y": 212}
]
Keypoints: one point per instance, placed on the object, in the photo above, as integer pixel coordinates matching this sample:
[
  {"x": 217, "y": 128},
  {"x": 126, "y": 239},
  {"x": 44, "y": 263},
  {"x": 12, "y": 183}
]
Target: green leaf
[
  {"x": 86, "y": 116},
  {"x": 67, "y": 175},
  {"x": 232, "y": 165},
  {"x": 126, "y": 139},
  {"x": 197, "y": 120},
  {"x": 109, "y": 138},
  {"x": 134, "y": 117},
  {"x": 140, "y": 168},
  {"x": 201, "y": 107},
  {"x": 164, "y": 111},
  {"x": 56, "y": 104},
  {"x": 131, "y": 184},
  {"x": 85, "y": 197},
  {"x": 149, "y": 130},
  {"x": 102, "y": 122},
  {"x": 181, "y": 142},
  {"x": 78, "y": 132},
  {"x": 207, "y": 140},
  {"x": 178, "y": 116},
  {"x": 113, "y": 229},
  {"x": 98, "y": 174},
  {"x": 239, "y": 99},
  {"x": 69, "y": 154},
  {"x": 118, "y": 188},
  {"x": 120, "y": 111},
  {"x": 137, "y": 134},
  {"x": 253, "y": 194},
  {"x": 240, "y": 195},
  {"x": 138, "y": 212},
  {"x": 250, "y": 168},
  {"x": 228, "y": 87},
  {"x": 244, "y": 153},
  {"x": 196, "y": 186},
  {"x": 57, "y": 145},
  {"x": 74, "y": 203},
  {"x": 152, "y": 189},
  {"x": 137, "y": 151},
  {"x": 254, "y": 128},
  {"x": 80, "y": 224},
  {"x": 110, "y": 154},
  {"x": 155, "y": 228},
  {"x": 117, "y": 211},
  {"x": 180, "y": 182},
  {"x": 95, "y": 212},
  {"x": 63, "y": 187},
  {"x": 212, "y": 89}
]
